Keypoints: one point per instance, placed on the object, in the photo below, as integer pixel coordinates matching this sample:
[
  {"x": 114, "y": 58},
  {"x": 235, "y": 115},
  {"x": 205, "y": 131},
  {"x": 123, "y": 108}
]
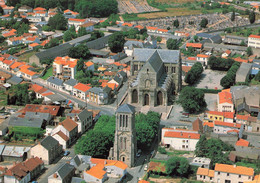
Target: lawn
[
  {"x": 47, "y": 74},
  {"x": 171, "y": 12},
  {"x": 254, "y": 82},
  {"x": 25, "y": 57},
  {"x": 178, "y": 153}
]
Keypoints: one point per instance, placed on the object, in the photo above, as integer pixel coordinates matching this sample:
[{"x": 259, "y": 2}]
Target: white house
[
  {"x": 55, "y": 83},
  {"x": 98, "y": 95},
  {"x": 76, "y": 22},
  {"x": 64, "y": 67},
  {"x": 180, "y": 139},
  {"x": 224, "y": 173},
  {"x": 225, "y": 103},
  {"x": 225, "y": 127},
  {"x": 254, "y": 41},
  {"x": 95, "y": 174},
  {"x": 203, "y": 59},
  {"x": 116, "y": 169},
  {"x": 80, "y": 90},
  {"x": 69, "y": 84}
]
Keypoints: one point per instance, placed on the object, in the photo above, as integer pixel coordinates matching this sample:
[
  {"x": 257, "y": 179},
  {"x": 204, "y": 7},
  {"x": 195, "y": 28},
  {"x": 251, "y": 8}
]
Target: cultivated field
[
  {"x": 171, "y": 12},
  {"x": 134, "y": 6},
  {"x": 175, "y": 1}
]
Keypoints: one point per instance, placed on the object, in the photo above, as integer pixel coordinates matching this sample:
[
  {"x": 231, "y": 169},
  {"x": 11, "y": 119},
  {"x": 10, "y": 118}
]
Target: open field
[
  {"x": 176, "y": 1},
  {"x": 47, "y": 74},
  {"x": 170, "y": 13}
]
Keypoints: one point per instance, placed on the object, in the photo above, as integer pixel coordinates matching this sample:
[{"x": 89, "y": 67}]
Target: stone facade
[
  {"x": 125, "y": 136},
  {"x": 157, "y": 76}
]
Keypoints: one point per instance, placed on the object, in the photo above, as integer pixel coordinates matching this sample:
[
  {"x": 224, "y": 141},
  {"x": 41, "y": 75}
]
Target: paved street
[{"x": 54, "y": 167}]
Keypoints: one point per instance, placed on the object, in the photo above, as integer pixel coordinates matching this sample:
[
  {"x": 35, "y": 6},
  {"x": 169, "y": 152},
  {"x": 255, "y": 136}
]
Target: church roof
[
  {"x": 125, "y": 108},
  {"x": 167, "y": 56},
  {"x": 155, "y": 61}
]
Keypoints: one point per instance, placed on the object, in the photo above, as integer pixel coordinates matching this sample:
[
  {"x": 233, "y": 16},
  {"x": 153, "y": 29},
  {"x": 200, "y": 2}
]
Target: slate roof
[
  {"x": 15, "y": 80},
  {"x": 155, "y": 61},
  {"x": 167, "y": 56},
  {"x": 49, "y": 142},
  {"x": 118, "y": 79},
  {"x": 204, "y": 35},
  {"x": 26, "y": 122},
  {"x": 96, "y": 90},
  {"x": 55, "y": 81},
  {"x": 64, "y": 170},
  {"x": 56, "y": 97},
  {"x": 122, "y": 73},
  {"x": 54, "y": 51},
  {"x": 83, "y": 115},
  {"x": 125, "y": 108},
  {"x": 71, "y": 82}
]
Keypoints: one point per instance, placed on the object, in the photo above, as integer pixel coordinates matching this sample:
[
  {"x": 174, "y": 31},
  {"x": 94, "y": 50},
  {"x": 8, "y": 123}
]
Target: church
[{"x": 157, "y": 75}]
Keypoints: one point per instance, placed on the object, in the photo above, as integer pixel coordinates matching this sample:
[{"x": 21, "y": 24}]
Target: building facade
[
  {"x": 125, "y": 136},
  {"x": 157, "y": 76}
]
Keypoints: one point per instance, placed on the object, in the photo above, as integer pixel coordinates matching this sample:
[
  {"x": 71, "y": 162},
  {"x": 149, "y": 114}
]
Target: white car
[{"x": 145, "y": 167}]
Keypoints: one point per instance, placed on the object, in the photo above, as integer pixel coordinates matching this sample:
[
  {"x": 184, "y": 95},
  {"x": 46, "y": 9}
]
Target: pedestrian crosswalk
[{"x": 66, "y": 158}]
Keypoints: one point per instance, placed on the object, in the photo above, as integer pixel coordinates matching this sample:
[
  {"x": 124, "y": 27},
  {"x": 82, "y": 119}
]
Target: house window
[
  {"x": 249, "y": 177},
  {"x": 227, "y": 174},
  {"x": 183, "y": 146},
  {"x": 227, "y": 181},
  {"x": 218, "y": 173},
  {"x": 239, "y": 176},
  {"x": 200, "y": 176},
  {"x": 183, "y": 141},
  {"x": 210, "y": 178}
]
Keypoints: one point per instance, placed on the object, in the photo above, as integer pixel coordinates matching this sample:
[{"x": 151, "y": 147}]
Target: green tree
[
  {"x": 116, "y": 42},
  {"x": 172, "y": 44},
  {"x": 242, "y": 43},
  {"x": 96, "y": 34},
  {"x": 201, "y": 146},
  {"x": 249, "y": 51},
  {"x": 252, "y": 17},
  {"x": 1, "y": 10},
  {"x": 176, "y": 23},
  {"x": 159, "y": 39},
  {"x": 230, "y": 77},
  {"x": 58, "y": 22},
  {"x": 194, "y": 74},
  {"x": 79, "y": 51},
  {"x": 2, "y": 39},
  {"x": 204, "y": 22},
  {"x": 233, "y": 16},
  {"x": 143, "y": 31},
  {"x": 82, "y": 31},
  {"x": 177, "y": 166},
  {"x": 172, "y": 165},
  {"x": 257, "y": 77},
  {"x": 67, "y": 36},
  {"x": 80, "y": 65},
  {"x": 53, "y": 42},
  {"x": 192, "y": 99}
]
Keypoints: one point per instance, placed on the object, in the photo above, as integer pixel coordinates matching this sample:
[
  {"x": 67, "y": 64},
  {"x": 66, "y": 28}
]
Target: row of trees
[
  {"x": 172, "y": 44},
  {"x": 229, "y": 79},
  {"x": 97, "y": 142},
  {"x": 19, "y": 95},
  {"x": 215, "y": 149},
  {"x": 194, "y": 74},
  {"x": 221, "y": 64},
  {"x": 192, "y": 99}
]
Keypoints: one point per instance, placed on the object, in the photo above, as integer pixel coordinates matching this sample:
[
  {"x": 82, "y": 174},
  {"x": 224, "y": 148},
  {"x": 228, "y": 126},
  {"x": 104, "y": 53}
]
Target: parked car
[
  {"x": 139, "y": 152},
  {"x": 145, "y": 167},
  {"x": 66, "y": 153}
]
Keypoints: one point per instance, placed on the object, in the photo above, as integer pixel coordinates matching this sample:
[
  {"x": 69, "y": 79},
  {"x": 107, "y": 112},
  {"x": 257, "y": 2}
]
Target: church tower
[{"x": 125, "y": 135}]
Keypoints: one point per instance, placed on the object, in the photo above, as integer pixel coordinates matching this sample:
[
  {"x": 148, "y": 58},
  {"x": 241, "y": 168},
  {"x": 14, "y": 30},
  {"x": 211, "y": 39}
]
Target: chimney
[
  {"x": 181, "y": 134},
  {"x": 235, "y": 165},
  {"x": 55, "y": 175}
]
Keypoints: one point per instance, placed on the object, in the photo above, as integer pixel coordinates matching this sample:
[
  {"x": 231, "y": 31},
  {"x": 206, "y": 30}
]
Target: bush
[
  {"x": 209, "y": 90},
  {"x": 162, "y": 150}
]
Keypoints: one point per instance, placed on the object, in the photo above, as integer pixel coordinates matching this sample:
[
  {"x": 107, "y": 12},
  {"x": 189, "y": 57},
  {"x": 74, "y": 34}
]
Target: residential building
[
  {"x": 90, "y": 66},
  {"x": 242, "y": 142},
  {"x": 201, "y": 162},
  {"x": 197, "y": 125},
  {"x": 25, "y": 9},
  {"x": 180, "y": 139},
  {"x": 226, "y": 54},
  {"x": 225, "y": 103},
  {"x": 209, "y": 38},
  {"x": 99, "y": 96},
  {"x": 254, "y": 41},
  {"x": 80, "y": 90},
  {"x": 63, "y": 175},
  {"x": 215, "y": 116},
  {"x": 69, "y": 84},
  {"x": 96, "y": 174},
  {"x": 8, "y": 9},
  {"x": 55, "y": 83},
  {"x": 224, "y": 127},
  {"x": 203, "y": 59},
  {"x": 15, "y": 153},
  {"x": 89, "y": 26},
  {"x": 24, "y": 171},
  {"x": 66, "y": 132},
  {"x": 196, "y": 46},
  {"x": 64, "y": 67},
  {"x": 53, "y": 110},
  {"x": 205, "y": 174},
  {"x": 76, "y": 22},
  {"x": 48, "y": 150},
  {"x": 83, "y": 118},
  {"x": 27, "y": 72}
]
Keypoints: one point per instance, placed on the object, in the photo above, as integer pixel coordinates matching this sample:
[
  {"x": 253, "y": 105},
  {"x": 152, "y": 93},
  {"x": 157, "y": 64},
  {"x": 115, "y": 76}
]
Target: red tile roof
[
  {"x": 240, "y": 170},
  {"x": 69, "y": 124},
  {"x": 254, "y": 36},
  {"x": 127, "y": 24},
  {"x": 242, "y": 142},
  {"x": 96, "y": 172},
  {"x": 51, "y": 109},
  {"x": 233, "y": 125},
  {"x": 82, "y": 87},
  {"x": 194, "y": 45},
  {"x": 242, "y": 117},
  {"x": 209, "y": 124},
  {"x": 62, "y": 135},
  {"x": 184, "y": 135},
  {"x": 76, "y": 20},
  {"x": 151, "y": 28},
  {"x": 225, "y": 97},
  {"x": 203, "y": 56}
]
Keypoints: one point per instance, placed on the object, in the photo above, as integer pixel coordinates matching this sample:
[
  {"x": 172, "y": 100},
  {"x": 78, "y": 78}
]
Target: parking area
[
  {"x": 211, "y": 79},
  {"x": 211, "y": 100}
]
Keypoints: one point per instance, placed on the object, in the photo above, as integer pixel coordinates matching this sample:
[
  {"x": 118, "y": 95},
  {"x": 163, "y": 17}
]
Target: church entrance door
[
  {"x": 159, "y": 98},
  {"x": 134, "y": 97},
  {"x": 146, "y": 99}
]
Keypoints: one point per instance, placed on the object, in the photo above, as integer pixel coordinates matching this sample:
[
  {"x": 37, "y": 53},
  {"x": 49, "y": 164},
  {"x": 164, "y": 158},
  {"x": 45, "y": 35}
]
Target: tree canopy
[
  {"x": 97, "y": 8},
  {"x": 213, "y": 149},
  {"x": 177, "y": 166},
  {"x": 172, "y": 44},
  {"x": 192, "y": 99},
  {"x": 79, "y": 51},
  {"x": 218, "y": 63},
  {"x": 252, "y": 17},
  {"x": 176, "y": 23},
  {"x": 204, "y": 22},
  {"x": 116, "y": 42},
  {"x": 58, "y": 22},
  {"x": 194, "y": 74},
  {"x": 229, "y": 79}
]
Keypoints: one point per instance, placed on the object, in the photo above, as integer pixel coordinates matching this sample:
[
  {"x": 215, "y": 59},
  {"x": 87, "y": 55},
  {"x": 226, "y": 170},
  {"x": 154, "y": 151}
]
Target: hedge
[{"x": 209, "y": 90}]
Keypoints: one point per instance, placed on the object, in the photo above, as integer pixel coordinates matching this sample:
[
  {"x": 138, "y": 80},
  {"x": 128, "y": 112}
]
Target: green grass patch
[
  {"x": 158, "y": 160},
  {"x": 132, "y": 17},
  {"x": 178, "y": 153},
  {"x": 25, "y": 57},
  {"x": 254, "y": 82},
  {"x": 3, "y": 100},
  {"x": 47, "y": 74}
]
